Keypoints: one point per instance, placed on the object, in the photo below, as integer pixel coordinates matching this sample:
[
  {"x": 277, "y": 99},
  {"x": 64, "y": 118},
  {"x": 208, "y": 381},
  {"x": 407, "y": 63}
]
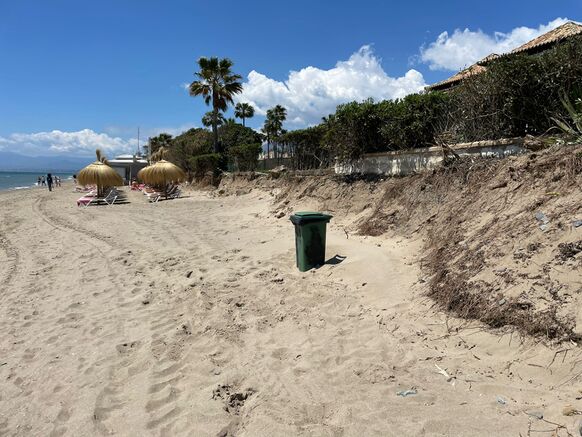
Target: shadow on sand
[{"x": 336, "y": 259}]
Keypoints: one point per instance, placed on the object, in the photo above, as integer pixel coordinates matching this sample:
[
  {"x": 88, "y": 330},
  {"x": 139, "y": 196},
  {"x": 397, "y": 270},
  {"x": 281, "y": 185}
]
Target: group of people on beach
[{"x": 50, "y": 181}]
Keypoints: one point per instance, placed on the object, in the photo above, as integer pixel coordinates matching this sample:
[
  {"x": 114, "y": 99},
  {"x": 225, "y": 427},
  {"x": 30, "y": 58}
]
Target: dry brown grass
[{"x": 473, "y": 212}]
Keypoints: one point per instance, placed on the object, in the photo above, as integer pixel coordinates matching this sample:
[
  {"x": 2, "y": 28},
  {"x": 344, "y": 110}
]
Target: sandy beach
[{"x": 189, "y": 318}]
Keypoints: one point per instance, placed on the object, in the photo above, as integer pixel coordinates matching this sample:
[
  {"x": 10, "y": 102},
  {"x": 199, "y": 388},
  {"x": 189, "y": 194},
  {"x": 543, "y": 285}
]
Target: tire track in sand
[
  {"x": 114, "y": 395},
  {"x": 12, "y": 255}
]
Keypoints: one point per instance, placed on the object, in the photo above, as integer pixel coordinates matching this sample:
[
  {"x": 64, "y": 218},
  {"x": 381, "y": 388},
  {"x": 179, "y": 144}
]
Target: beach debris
[
  {"x": 569, "y": 410},
  {"x": 498, "y": 185},
  {"x": 577, "y": 223},
  {"x": 408, "y": 392},
  {"x": 569, "y": 250},
  {"x": 543, "y": 219},
  {"x": 535, "y": 413},
  {"x": 278, "y": 169},
  {"x": 233, "y": 400},
  {"x": 502, "y": 302},
  {"x": 443, "y": 372},
  {"x": 189, "y": 273},
  {"x": 501, "y": 400}
]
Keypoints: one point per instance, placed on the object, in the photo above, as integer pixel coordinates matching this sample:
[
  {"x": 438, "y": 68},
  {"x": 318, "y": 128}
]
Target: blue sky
[{"x": 79, "y": 74}]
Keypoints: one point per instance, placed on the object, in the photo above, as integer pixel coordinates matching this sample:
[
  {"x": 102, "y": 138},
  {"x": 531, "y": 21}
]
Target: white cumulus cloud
[
  {"x": 465, "y": 47},
  {"x": 79, "y": 143},
  {"x": 312, "y": 93}
]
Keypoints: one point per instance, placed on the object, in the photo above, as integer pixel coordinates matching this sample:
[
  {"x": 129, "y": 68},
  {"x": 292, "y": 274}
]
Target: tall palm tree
[
  {"x": 268, "y": 130},
  {"x": 162, "y": 140},
  {"x": 273, "y": 126},
  {"x": 217, "y": 84},
  {"x": 279, "y": 114},
  {"x": 208, "y": 119},
  {"x": 243, "y": 111}
]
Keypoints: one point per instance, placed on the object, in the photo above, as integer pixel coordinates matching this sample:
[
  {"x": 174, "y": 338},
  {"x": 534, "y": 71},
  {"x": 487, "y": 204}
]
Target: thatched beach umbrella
[
  {"x": 99, "y": 174},
  {"x": 161, "y": 173}
]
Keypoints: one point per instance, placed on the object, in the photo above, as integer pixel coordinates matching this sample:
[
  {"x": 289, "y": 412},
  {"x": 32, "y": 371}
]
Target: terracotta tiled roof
[
  {"x": 463, "y": 74},
  {"x": 564, "y": 31},
  {"x": 559, "y": 33},
  {"x": 488, "y": 59}
]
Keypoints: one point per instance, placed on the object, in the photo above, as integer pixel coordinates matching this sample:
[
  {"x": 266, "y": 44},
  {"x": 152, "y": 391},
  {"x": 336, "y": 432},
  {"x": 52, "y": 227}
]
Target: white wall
[{"x": 404, "y": 162}]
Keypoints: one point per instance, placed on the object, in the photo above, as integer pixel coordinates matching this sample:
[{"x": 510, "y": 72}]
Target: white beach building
[{"x": 128, "y": 165}]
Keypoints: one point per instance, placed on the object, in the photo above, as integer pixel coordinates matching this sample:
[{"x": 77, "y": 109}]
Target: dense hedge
[
  {"x": 517, "y": 96},
  {"x": 245, "y": 156},
  {"x": 306, "y": 148},
  {"x": 203, "y": 164}
]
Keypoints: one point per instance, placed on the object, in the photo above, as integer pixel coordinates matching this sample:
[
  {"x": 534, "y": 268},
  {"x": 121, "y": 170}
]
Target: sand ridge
[{"x": 187, "y": 317}]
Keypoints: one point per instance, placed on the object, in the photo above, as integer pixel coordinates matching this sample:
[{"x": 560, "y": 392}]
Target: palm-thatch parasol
[
  {"x": 161, "y": 173},
  {"x": 100, "y": 174}
]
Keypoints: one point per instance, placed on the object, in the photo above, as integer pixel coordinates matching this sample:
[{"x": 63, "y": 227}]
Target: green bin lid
[{"x": 302, "y": 217}]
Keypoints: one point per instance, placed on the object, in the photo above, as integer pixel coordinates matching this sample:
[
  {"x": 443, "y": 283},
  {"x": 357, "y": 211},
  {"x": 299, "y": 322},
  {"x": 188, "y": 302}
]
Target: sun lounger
[
  {"x": 111, "y": 197},
  {"x": 86, "y": 201},
  {"x": 91, "y": 198},
  {"x": 175, "y": 195},
  {"x": 154, "y": 197}
]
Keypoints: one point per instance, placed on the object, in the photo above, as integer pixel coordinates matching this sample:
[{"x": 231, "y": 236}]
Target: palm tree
[
  {"x": 217, "y": 84},
  {"x": 243, "y": 111},
  {"x": 162, "y": 140},
  {"x": 209, "y": 118},
  {"x": 268, "y": 130},
  {"x": 273, "y": 126}
]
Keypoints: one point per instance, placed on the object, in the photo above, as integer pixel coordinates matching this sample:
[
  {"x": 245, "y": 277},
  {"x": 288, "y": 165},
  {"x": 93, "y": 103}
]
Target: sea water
[{"x": 18, "y": 180}]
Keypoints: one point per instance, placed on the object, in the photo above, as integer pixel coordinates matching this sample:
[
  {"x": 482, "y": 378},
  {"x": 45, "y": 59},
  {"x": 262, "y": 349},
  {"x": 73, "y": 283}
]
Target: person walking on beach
[
  {"x": 42, "y": 182},
  {"x": 38, "y": 182},
  {"x": 49, "y": 181}
]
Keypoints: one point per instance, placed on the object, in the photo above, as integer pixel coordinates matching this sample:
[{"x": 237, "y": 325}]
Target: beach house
[
  {"x": 128, "y": 165},
  {"x": 533, "y": 47}
]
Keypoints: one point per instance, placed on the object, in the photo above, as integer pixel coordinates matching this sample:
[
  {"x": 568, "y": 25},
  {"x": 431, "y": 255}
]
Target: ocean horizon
[{"x": 20, "y": 180}]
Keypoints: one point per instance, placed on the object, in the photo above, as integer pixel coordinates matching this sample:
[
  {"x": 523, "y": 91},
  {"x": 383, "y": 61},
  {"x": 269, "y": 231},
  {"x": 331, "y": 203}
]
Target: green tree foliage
[
  {"x": 235, "y": 134},
  {"x": 410, "y": 122},
  {"x": 201, "y": 165},
  {"x": 306, "y": 147},
  {"x": 273, "y": 126},
  {"x": 162, "y": 140},
  {"x": 245, "y": 156},
  {"x": 353, "y": 130},
  {"x": 517, "y": 95},
  {"x": 217, "y": 84},
  {"x": 244, "y": 111},
  {"x": 191, "y": 143},
  {"x": 209, "y": 119}
]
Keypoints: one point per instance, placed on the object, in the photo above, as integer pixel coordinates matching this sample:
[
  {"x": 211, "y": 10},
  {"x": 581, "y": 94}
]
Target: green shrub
[
  {"x": 368, "y": 127},
  {"x": 306, "y": 147},
  {"x": 517, "y": 95},
  {"x": 245, "y": 156},
  {"x": 202, "y": 164}
]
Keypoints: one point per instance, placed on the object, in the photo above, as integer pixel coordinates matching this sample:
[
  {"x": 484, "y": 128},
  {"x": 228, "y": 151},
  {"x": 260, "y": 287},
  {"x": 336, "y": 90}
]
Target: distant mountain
[{"x": 10, "y": 161}]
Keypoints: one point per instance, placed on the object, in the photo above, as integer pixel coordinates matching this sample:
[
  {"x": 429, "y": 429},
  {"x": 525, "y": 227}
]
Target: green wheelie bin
[{"x": 310, "y": 230}]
